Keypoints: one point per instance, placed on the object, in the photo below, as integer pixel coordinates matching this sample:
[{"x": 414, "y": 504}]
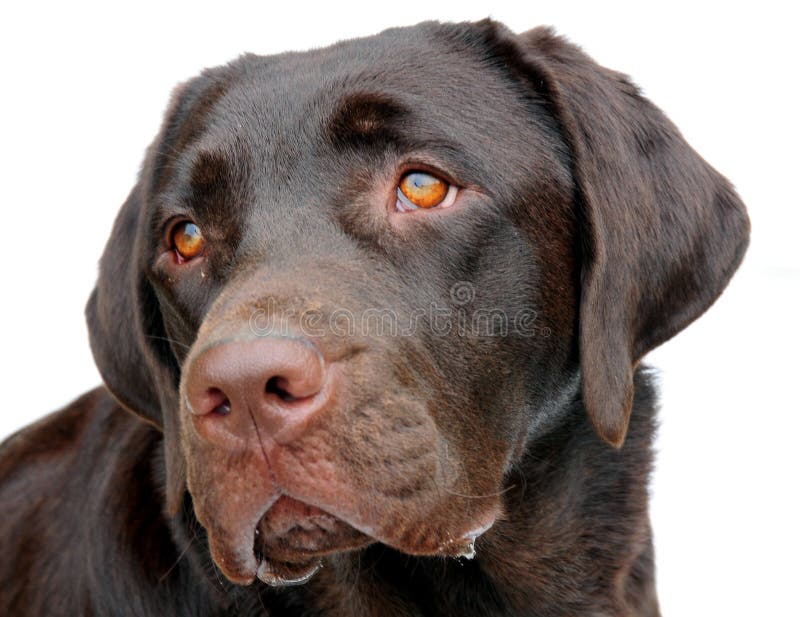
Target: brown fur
[{"x": 581, "y": 210}]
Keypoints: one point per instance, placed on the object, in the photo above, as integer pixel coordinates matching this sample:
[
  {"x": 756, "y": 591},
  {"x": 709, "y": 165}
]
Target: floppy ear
[
  {"x": 662, "y": 231},
  {"x": 128, "y": 341},
  {"x": 115, "y": 316}
]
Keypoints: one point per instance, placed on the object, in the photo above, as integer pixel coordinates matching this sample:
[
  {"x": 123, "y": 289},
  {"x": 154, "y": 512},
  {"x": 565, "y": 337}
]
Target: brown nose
[{"x": 278, "y": 383}]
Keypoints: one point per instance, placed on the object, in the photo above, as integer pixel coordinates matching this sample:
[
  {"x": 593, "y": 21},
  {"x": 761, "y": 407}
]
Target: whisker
[
  {"x": 261, "y": 601},
  {"x": 458, "y": 474},
  {"x": 486, "y": 496},
  {"x": 163, "y": 577},
  {"x": 168, "y": 340}
]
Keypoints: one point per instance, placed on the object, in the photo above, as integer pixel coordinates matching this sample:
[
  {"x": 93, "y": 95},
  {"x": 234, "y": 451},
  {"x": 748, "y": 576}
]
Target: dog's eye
[
  {"x": 418, "y": 189},
  {"x": 187, "y": 240}
]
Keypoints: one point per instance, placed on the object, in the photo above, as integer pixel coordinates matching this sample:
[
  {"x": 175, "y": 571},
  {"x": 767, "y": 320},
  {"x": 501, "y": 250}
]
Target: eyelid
[
  {"x": 428, "y": 167},
  {"x": 436, "y": 166}
]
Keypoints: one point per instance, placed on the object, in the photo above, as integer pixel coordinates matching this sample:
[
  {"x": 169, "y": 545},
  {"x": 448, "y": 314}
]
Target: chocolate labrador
[{"x": 370, "y": 325}]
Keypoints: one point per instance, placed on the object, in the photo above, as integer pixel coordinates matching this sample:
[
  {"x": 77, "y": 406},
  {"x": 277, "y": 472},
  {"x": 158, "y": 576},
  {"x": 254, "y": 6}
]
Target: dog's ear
[
  {"x": 128, "y": 341},
  {"x": 126, "y": 332},
  {"x": 116, "y": 314},
  {"x": 662, "y": 231}
]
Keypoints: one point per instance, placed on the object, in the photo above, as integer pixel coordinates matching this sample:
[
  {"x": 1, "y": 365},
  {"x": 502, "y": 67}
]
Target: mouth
[{"x": 292, "y": 537}]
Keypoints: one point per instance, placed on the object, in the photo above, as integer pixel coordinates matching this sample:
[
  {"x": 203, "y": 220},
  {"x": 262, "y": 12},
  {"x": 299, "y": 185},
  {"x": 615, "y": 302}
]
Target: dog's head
[{"x": 353, "y": 285}]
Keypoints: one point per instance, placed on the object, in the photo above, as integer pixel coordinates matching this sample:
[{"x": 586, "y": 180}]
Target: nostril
[
  {"x": 279, "y": 386},
  {"x": 218, "y": 403},
  {"x": 223, "y": 409}
]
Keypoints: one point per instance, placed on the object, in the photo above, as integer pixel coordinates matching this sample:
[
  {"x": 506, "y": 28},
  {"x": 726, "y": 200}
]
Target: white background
[{"x": 83, "y": 90}]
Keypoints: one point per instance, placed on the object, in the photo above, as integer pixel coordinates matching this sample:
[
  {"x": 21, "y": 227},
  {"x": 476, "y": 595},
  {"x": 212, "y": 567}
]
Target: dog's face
[{"x": 353, "y": 285}]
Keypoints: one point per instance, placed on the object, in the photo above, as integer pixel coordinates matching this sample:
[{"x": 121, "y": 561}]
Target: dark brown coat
[{"x": 586, "y": 232}]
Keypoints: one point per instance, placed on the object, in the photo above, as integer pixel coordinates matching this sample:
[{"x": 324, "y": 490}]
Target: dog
[{"x": 370, "y": 326}]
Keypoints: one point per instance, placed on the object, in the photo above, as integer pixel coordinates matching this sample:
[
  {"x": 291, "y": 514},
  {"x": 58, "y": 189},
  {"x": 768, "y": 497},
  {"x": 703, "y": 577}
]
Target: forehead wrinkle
[{"x": 364, "y": 117}]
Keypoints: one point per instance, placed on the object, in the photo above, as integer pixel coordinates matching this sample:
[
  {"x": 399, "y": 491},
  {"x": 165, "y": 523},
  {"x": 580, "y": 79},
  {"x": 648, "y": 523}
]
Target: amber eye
[
  {"x": 418, "y": 189},
  {"x": 187, "y": 240}
]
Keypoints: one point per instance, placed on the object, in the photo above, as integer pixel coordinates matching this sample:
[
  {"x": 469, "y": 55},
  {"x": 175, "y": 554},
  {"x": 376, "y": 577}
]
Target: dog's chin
[{"x": 292, "y": 537}]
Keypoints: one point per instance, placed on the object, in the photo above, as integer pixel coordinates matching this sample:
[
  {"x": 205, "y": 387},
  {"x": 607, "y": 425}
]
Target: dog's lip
[
  {"x": 292, "y": 528},
  {"x": 296, "y": 523},
  {"x": 286, "y": 574},
  {"x": 292, "y": 537},
  {"x": 299, "y": 564},
  {"x": 284, "y": 560}
]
